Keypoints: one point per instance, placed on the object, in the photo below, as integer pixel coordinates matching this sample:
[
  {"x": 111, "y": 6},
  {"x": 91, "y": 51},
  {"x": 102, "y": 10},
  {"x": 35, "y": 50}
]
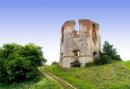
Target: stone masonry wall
[{"x": 79, "y": 47}]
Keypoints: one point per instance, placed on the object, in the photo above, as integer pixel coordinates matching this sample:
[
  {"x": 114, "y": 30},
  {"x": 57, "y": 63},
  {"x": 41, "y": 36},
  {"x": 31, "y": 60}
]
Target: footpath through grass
[{"x": 110, "y": 76}]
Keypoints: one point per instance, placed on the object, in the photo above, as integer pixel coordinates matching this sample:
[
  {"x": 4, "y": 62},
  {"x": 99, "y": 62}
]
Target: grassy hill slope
[
  {"x": 43, "y": 83},
  {"x": 110, "y": 76}
]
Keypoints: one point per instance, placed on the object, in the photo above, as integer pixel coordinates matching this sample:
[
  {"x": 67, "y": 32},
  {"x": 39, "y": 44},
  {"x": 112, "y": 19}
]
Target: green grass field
[
  {"x": 44, "y": 83},
  {"x": 109, "y": 76}
]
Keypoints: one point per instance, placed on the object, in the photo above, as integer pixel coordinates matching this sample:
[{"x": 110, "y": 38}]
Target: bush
[
  {"x": 89, "y": 64},
  {"x": 97, "y": 60},
  {"x": 104, "y": 59},
  {"x": 108, "y": 54},
  {"x": 55, "y": 63},
  {"x": 19, "y": 63},
  {"x": 110, "y": 51}
]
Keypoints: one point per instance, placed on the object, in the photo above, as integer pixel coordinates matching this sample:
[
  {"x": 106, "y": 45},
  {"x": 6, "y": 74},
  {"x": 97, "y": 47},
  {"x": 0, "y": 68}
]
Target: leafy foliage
[
  {"x": 18, "y": 63},
  {"x": 105, "y": 59},
  {"x": 108, "y": 54},
  {"x": 110, "y": 51}
]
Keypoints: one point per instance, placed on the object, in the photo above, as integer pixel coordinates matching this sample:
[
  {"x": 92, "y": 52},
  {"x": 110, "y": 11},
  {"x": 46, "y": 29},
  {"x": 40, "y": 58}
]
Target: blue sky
[{"x": 40, "y": 21}]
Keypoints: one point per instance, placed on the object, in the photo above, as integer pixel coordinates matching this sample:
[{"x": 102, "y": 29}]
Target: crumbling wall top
[
  {"x": 88, "y": 23},
  {"x": 85, "y": 21},
  {"x": 70, "y": 23}
]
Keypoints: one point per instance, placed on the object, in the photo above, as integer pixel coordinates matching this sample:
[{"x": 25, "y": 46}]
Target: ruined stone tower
[{"x": 79, "y": 47}]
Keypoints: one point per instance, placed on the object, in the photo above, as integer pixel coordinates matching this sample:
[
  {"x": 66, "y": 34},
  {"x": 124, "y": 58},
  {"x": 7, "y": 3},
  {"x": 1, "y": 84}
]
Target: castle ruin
[{"x": 79, "y": 47}]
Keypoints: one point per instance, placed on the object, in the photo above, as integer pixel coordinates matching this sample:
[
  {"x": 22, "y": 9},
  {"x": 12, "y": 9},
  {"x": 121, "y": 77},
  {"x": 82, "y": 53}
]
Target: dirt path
[{"x": 64, "y": 84}]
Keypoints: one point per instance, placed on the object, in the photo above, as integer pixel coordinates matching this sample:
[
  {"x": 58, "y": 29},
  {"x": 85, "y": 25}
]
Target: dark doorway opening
[{"x": 75, "y": 64}]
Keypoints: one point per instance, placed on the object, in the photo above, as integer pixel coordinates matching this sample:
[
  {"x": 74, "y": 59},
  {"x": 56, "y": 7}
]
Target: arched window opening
[{"x": 76, "y": 53}]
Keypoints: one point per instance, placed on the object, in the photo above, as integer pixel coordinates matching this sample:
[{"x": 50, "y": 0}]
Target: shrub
[
  {"x": 97, "y": 61},
  {"x": 108, "y": 54},
  {"x": 110, "y": 51},
  {"x": 55, "y": 63},
  {"x": 89, "y": 64},
  {"x": 19, "y": 63},
  {"x": 104, "y": 59}
]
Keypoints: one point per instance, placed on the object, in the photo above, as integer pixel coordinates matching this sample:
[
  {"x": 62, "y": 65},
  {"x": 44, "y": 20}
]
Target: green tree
[
  {"x": 2, "y": 66},
  {"x": 110, "y": 51},
  {"x": 18, "y": 63}
]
